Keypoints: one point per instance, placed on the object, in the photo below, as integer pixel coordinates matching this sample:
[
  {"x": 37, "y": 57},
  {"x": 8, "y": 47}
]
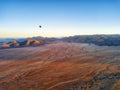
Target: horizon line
[{"x": 59, "y": 36}]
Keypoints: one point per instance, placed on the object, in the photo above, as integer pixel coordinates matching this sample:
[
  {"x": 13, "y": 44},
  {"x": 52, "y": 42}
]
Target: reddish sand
[{"x": 60, "y": 66}]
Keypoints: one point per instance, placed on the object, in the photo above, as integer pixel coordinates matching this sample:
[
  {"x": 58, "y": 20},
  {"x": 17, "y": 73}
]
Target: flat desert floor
[{"x": 60, "y": 66}]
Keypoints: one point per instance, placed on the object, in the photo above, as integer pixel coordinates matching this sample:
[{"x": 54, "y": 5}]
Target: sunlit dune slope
[{"x": 60, "y": 66}]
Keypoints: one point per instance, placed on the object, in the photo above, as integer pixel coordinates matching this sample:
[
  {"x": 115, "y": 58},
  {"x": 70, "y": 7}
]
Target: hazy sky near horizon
[{"x": 21, "y": 18}]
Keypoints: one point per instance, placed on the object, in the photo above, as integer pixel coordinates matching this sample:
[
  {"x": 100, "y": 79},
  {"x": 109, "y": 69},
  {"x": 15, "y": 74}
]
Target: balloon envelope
[{"x": 40, "y": 26}]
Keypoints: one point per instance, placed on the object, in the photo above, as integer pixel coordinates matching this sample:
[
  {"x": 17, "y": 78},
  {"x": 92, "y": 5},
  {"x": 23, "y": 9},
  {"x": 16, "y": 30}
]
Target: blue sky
[{"x": 21, "y": 18}]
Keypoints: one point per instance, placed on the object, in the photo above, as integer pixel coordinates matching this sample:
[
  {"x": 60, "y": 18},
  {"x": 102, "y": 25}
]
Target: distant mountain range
[{"x": 100, "y": 40}]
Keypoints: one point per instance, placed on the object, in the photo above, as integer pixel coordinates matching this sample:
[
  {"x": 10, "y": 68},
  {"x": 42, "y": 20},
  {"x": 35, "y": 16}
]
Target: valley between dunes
[{"x": 60, "y": 66}]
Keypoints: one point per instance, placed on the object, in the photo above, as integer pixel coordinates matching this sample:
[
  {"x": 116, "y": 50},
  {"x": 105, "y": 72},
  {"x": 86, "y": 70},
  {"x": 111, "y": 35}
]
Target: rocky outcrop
[
  {"x": 30, "y": 42},
  {"x": 15, "y": 43}
]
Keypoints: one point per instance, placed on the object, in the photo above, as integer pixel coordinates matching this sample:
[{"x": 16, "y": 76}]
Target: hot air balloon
[{"x": 40, "y": 26}]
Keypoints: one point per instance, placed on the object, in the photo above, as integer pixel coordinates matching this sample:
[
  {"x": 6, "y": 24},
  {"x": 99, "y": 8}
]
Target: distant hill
[
  {"x": 5, "y": 40},
  {"x": 24, "y": 43},
  {"x": 30, "y": 42}
]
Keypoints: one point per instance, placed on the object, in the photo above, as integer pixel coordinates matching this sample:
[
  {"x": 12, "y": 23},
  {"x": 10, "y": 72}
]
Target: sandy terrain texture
[{"x": 60, "y": 66}]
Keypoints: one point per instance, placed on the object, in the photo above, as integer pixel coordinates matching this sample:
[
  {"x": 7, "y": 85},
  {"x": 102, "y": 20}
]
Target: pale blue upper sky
[{"x": 21, "y": 18}]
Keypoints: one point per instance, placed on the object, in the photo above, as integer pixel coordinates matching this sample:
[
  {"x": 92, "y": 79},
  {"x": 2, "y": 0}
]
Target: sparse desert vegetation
[{"x": 60, "y": 66}]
